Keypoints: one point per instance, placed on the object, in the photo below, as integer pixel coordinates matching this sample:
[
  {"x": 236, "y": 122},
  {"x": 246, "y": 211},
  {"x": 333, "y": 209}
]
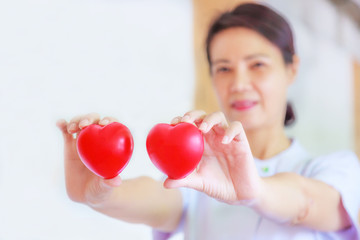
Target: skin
[
  {"x": 244, "y": 65},
  {"x": 119, "y": 199},
  {"x": 251, "y": 68}
]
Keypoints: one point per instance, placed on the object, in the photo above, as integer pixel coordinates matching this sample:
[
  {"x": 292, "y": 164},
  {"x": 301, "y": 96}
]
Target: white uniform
[{"x": 205, "y": 218}]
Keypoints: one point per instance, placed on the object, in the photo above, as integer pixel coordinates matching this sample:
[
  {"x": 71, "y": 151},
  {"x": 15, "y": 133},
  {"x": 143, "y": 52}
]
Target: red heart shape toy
[
  {"x": 175, "y": 149},
  {"x": 105, "y": 150}
]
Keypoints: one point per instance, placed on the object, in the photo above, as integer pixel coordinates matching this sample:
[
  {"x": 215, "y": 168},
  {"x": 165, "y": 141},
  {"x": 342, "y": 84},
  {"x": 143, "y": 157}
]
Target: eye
[
  {"x": 222, "y": 69},
  {"x": 258, "y": 65}
]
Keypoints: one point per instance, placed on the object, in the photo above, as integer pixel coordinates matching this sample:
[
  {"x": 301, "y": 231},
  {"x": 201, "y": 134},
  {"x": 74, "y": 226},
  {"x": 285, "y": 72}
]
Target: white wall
[
  {"x": 129, "y": 59},
  {"x": 323, "y": 92},
  {"x": 132, "y": 60}
]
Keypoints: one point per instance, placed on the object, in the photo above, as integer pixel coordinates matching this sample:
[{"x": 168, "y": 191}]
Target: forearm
[
  {"x": 292, "y": 199},
  {"x": 142, "y": 200}
]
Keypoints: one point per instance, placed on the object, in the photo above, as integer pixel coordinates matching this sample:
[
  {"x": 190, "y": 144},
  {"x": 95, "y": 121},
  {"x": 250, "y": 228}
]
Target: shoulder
[{"x": 348, "y": 156}]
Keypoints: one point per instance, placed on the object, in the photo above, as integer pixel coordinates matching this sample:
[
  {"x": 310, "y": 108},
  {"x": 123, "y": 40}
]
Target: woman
[{"x": 253, "y": 182}]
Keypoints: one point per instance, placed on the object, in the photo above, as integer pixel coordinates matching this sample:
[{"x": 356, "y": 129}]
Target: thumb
[
  {"x": 113, "y": 182},
  {"x": 172, "y": 183},
  {"x": 100, "y": 190},
  {"x": 192, "y": 181}
]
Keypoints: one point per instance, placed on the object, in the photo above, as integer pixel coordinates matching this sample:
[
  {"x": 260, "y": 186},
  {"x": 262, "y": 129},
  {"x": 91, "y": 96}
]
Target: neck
[{"x": 266, "y": 143}]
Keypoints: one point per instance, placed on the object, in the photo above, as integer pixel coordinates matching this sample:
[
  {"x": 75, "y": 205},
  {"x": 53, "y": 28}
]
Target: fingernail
[
  {"x": 104, "y": 122},
  {"x": 186, "y": 118},
  {"x": 175, "y": 121},
  {"x": 84, "y": 122},
  {"x": 72, "y": 126},
  {"x": 204, "y": 127},
  {"x": 225, "y": 140}
]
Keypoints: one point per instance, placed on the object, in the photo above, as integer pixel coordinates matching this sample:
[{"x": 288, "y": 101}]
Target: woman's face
[{"x": 250, "y": 77}]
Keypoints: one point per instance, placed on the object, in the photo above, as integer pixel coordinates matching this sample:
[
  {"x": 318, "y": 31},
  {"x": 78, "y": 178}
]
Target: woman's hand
[
  {"x": 81, "y": 184},
  {"x": 121, "y": 200},
  {"x": 227, "y": 170}
]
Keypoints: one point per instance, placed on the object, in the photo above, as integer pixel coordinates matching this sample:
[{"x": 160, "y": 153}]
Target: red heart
[
  {"x": 105, "y": 150},
  {"x": 175, "y": 149}
]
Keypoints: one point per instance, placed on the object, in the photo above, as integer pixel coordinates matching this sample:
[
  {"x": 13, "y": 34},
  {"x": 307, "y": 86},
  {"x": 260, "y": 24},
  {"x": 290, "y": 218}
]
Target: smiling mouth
[{"x": 243, "y": 105}]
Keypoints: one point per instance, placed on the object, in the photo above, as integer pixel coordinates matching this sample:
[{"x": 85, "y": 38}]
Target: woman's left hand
[{"x": 227, "y": 170}]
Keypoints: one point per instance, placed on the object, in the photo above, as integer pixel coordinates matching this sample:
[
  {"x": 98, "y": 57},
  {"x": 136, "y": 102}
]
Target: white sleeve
[
  {"x": 340, "y": 170},
  {"x": 159, "y": 235}
]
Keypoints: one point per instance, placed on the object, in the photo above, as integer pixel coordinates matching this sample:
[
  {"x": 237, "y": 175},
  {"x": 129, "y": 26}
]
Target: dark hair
[
  {"x": 289, "y": 115},
  {"x": 264, "y": 21}
]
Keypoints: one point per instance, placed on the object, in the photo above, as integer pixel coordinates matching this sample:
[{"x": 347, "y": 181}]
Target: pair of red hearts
[{"x": 174, "y": 149}]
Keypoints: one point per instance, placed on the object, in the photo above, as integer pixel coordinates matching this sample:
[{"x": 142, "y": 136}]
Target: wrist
[
  {"x": 98, "y": 194},
  {"x": 261, "y": 195},
  {"x": 254, "y": 196}
]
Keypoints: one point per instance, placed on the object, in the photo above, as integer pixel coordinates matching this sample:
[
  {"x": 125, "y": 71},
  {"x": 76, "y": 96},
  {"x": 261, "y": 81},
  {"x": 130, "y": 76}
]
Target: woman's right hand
[
  {"x": 81, "y": 184},
  {"x": 161, "y": 210}
]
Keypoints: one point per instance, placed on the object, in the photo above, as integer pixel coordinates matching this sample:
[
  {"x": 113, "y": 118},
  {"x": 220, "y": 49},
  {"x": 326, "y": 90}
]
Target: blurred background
[{"x": 142, "y": 62}]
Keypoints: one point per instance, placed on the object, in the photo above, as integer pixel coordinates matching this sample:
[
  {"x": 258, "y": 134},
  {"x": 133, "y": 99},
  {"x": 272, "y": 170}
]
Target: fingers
[
  {"x": 87, "y": 119},
  {"x": 211, "y": 120},
  {"x": 107, "y": 120},
  {"x": 235, "y": 132},
  {"x": 203, "y": 121},
  {"x": 62, "y": 125},
  {"x": 231, "y": 132},
  {"x": 192, "y": 117},
  {"x": 79, "y": 122},
  {"x": 176, "y": 120}
]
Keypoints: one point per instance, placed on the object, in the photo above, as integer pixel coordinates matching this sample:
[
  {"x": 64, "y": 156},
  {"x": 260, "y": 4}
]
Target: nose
[{"x": 241, "y": 82}]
